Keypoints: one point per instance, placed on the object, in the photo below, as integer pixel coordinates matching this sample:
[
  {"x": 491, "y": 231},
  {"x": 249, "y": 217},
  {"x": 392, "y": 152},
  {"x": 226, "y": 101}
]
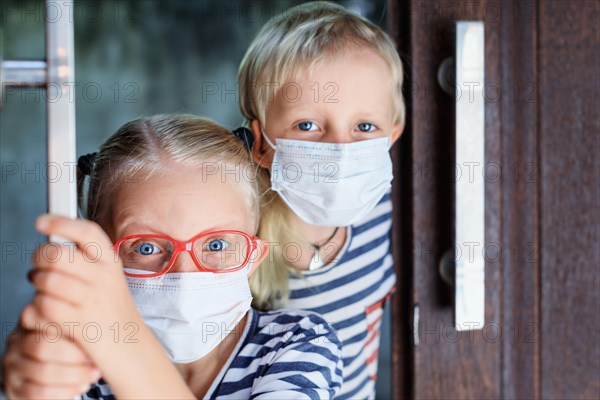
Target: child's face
[
  {"x": 346, "y": 99},
  {"x": 181, "y": 205}
]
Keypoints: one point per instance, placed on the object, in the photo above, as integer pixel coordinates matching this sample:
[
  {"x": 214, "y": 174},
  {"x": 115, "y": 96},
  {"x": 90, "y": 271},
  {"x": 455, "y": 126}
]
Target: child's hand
[
  {"x": 35, "y": 368},
  {"x": 83, "y": 290}
]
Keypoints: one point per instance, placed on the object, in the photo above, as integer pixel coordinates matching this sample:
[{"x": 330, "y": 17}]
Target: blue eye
[
  {"x": 306, "y": 126},
  {"x": 217, "y": 245},
  {"x": 147, "y": 249},
  {"x": 366, "y": 127}
]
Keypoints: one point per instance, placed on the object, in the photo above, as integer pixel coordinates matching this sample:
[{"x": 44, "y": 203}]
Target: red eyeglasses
[{"x": 218, "y": 251}]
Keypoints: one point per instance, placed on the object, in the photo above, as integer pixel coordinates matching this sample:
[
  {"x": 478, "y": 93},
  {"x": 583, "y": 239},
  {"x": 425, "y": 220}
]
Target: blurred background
[{"x": 132, "y": 59}]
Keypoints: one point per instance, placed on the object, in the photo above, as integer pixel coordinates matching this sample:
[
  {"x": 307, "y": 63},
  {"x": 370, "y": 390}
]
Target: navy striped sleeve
[
  {"x": 300, "y": 358},
  {"x": 281, "y": 355}
]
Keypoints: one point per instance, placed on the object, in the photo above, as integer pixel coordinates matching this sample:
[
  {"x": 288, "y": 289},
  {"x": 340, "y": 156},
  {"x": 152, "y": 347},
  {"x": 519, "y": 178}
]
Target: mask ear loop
[
  {"x": 250, "y": 263},
  {"x": 264, "y": 135}
]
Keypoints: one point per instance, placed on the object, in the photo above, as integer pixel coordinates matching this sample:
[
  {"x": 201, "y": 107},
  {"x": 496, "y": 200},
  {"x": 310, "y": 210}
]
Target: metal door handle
[
  {"x": 56, "y": 72},
  {"x": 464, "y": 266},
  {"x": 469, "y": 305}
]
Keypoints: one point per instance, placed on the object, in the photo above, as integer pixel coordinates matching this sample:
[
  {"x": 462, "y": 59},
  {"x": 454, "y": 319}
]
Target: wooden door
[{"x": 542, "y": 333}]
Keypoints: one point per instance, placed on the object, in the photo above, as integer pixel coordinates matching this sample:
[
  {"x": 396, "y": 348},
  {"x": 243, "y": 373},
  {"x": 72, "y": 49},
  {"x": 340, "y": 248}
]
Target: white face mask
[
  {"x": 331, "y": 184},
  {"x": 191, "y": 312}
]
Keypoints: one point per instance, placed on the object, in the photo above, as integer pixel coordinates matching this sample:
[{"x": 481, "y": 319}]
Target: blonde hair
[
  {"x": 153, "y": 145},
  {"x": 301, "y": 37},
  {"x": 294, "y": 41}
]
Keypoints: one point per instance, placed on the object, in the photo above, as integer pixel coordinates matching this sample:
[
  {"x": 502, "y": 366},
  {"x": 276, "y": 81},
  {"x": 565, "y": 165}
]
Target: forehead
[
  {"x": 339, "y": 79},
  {"x": 183, "y": 202}
]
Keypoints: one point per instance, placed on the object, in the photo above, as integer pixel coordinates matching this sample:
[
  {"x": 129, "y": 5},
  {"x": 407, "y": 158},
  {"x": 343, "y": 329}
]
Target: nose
[
  {"x": 337, "y": 135},
  {"x": 184, "y": 263}
]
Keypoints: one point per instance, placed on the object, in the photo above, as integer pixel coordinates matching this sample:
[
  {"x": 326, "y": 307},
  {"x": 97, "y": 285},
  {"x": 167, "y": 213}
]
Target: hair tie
[
  {"x": 86, "y": 163},
  {"x": 246, "y": 136}
]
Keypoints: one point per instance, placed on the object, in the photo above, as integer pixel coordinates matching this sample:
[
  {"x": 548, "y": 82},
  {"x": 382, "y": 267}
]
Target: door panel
[
  {"x": 541, "y": 338},
  {"x": 520, "y": 201},
  {"x": 569, "y": 199},
  {"x": 448, "y": 364}
]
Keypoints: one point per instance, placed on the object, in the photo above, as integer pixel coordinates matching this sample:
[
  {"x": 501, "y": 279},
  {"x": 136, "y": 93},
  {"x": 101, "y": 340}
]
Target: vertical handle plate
[
  {"x": 62, "y": 188},
  {"x": 469, "y": 305}
]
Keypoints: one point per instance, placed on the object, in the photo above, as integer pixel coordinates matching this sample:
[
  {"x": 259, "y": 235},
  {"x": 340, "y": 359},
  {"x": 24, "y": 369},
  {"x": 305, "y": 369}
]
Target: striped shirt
[
  {"x": 282, "y": 355},
  {"x": 350, "y": 292}
]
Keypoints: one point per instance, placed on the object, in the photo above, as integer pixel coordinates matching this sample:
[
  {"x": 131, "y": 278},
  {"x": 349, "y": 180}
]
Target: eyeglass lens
[{"x": 218, "y": 252}]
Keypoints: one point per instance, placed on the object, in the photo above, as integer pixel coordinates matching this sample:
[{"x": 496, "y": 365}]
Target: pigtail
[{"x": 85, "y": 167}]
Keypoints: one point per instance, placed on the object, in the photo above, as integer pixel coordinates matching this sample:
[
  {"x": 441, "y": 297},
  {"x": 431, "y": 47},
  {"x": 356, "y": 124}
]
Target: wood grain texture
[
  {"x": 520, "y": 208},
  {"x": 542, "y": 210},
  {"x": 569, "y": 193},
  {"x": 449, "y": 364}
]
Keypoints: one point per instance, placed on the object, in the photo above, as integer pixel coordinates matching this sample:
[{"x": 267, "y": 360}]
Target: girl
[
  {"x": 168, "y": 214},
  {"x": 321, "y": 90}
]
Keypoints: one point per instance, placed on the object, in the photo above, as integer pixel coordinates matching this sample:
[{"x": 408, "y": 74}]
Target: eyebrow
[
  {"x": 140, "y": 227},
  {"x": 143, "y": 229}
]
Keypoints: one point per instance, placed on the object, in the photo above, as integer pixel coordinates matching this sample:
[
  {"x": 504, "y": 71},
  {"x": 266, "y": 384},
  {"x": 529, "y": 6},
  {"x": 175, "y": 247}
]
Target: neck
[
  {"x": 199, "y": 375},
  {"x": 309, "y": 234}
]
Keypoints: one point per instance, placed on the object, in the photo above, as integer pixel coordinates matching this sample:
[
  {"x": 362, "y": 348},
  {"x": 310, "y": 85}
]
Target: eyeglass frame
[{"x": 187, "y": 245}]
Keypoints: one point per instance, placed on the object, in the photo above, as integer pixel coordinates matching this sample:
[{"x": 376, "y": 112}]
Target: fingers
[
  {"x": 30, "y": 320},
  {"x": 50, "y": 308},
  {"x": 51, "y": 374},
  {"x": 72, "y": 261},
  {"x": 43, "y": 346},
  {"x": 60, "y": 285},
  {"x": 39, "y": 376},
  {"x": 87, "y": 235},
  {"x": 47, "y": 312},
  {"x": 24, "y": 389}
]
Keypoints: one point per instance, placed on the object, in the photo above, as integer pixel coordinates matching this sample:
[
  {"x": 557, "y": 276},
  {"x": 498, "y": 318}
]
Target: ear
[
  {"x": 397, "y": 131},
  {"x": 261, "y": 152},
  {"x": 259, "y": 255}
]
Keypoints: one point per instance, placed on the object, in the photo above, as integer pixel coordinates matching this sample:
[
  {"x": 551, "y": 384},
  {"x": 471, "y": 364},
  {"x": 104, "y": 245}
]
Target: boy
[{"x": 321, "y": 92}]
